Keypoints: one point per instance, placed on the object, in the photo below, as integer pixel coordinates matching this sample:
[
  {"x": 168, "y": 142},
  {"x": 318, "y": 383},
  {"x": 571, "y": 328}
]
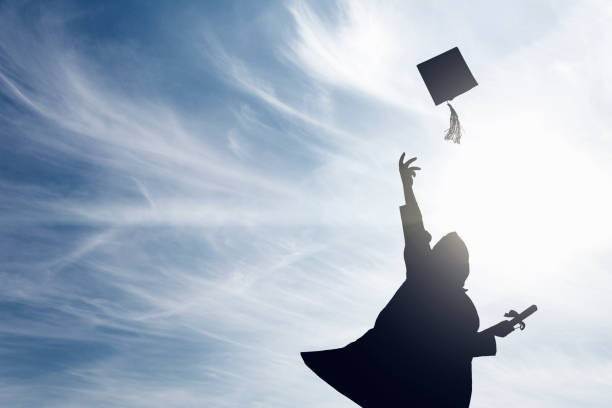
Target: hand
[
  {"x": 406, "y": 172},
  {"x": 502, "y": 329}
]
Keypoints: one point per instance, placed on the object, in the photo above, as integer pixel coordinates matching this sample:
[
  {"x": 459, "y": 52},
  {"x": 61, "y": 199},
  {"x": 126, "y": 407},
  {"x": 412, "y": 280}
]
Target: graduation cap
[{"x": 447, "y": 76}]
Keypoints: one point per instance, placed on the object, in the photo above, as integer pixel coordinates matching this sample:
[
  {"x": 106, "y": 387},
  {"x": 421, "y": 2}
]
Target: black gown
[{"x": 419, "y": 352}]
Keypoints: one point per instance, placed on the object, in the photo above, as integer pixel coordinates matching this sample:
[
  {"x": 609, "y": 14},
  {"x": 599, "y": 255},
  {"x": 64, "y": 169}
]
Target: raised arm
[
  {"x": 407, "y": 174},
  {"x": 416, "y": 238}
]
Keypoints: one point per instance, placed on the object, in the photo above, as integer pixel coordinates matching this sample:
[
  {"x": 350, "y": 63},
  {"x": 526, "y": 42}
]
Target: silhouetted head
[{"x": 452, "y": 258}]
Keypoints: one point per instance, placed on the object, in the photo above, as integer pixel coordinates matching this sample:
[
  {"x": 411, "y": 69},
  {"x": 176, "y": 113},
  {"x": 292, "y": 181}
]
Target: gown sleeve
[
  {"x": 482, "y": 344},
  {"x": 461, "y": 329}
]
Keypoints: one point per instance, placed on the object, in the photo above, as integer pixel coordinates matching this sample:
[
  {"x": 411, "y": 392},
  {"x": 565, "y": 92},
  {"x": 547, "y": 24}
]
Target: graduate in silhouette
[{"x": 419, "y": 352}]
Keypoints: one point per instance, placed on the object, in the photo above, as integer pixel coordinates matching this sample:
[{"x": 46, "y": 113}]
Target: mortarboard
[{"x": 447, "y": 76}]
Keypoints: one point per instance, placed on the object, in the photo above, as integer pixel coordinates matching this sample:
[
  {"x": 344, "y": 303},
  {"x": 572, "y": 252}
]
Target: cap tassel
[{"x": 454, "y": 130}]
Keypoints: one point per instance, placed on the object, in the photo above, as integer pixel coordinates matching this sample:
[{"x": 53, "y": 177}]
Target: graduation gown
[{"x": 419, "y": 352}]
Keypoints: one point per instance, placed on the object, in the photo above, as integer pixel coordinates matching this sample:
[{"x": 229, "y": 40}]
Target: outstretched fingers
[
  {"x": 401, "y": 160},
  {"x": 406, "y": 171},
  {"x": 409, "y": 162}
]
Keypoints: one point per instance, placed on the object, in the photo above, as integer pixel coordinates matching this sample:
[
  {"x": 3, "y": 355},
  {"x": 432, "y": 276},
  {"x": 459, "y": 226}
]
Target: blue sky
[{"x": 192, "y": 193}]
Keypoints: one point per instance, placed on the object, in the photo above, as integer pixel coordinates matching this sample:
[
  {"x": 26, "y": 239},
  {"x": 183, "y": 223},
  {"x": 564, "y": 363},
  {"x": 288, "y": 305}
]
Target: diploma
[{"x": 517, "y": 318}]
